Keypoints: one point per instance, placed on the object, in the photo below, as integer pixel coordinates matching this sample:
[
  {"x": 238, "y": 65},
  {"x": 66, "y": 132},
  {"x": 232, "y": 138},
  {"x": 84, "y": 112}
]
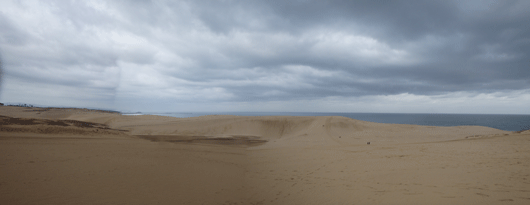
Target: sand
[{"x": 79, "y": 156}]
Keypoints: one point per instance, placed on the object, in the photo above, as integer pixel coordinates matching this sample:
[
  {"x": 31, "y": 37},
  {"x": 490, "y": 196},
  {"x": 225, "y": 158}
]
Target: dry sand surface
[{"x": 79, "y": 156}]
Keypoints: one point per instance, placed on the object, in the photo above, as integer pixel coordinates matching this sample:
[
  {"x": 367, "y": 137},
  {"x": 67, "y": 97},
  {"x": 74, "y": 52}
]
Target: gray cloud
[{"x": 259, "y": 51}]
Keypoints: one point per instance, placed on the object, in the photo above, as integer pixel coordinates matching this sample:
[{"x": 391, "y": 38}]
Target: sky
[{"x": 268, "y": 56}]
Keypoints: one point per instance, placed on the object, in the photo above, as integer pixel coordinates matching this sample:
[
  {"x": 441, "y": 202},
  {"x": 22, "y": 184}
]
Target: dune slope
[{"x": 65, "y": 156}]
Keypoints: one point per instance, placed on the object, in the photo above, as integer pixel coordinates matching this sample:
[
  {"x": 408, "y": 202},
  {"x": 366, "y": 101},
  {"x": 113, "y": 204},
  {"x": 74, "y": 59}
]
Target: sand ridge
[{"x": 92, "y": 157}]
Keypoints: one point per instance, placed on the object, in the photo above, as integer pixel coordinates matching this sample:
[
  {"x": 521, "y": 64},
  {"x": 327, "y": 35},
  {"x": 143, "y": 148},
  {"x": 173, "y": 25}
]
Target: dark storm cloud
[
  {"x": 475, "y": 46},
  {"x": 269, "y": 50},
  {"x": 393, "y": 20}
]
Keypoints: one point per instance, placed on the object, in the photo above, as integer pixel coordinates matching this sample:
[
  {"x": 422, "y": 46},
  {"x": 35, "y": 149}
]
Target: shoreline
[
  {"x": 497, "y": 121},
  {"x": 417, "y": 119}
]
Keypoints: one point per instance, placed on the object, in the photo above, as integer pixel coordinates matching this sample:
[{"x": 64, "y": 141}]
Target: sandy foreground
[{"x": 77, "y": 156}]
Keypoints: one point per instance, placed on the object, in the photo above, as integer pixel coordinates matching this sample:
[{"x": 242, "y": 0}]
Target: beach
[{"x": 81, "y": 156}]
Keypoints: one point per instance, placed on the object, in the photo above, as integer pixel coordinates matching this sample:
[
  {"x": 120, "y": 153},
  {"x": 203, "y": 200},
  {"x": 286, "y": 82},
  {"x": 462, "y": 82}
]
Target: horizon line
[{"x": 198, "y": 112}]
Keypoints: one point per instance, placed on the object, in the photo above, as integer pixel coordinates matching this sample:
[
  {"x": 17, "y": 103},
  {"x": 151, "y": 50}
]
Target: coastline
[{"x": 506, "y": 122}]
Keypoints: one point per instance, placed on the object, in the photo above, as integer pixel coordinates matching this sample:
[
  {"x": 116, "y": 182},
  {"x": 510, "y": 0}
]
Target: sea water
[{"x": 498, "y": 121}]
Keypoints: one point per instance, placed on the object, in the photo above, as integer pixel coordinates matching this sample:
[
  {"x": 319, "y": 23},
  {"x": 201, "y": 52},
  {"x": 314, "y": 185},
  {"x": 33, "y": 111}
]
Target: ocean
[{"x": 498, "y": 121}]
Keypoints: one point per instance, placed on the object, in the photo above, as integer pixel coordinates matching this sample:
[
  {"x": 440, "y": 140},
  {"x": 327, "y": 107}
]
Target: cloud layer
[{"x": 267, "y": 55}]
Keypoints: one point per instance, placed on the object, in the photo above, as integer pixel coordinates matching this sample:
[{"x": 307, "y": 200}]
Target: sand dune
[{"x": 65, "y": 156}]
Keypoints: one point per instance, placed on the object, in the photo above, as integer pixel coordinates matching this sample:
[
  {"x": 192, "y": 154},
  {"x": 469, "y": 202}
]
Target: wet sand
[{"x": 79, "y": 156}]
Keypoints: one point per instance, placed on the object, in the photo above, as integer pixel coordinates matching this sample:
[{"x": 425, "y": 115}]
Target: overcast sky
[{"x": 275, "y": 55}]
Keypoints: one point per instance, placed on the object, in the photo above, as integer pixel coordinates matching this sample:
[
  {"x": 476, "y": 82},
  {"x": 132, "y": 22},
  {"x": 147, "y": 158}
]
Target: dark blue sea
[{"x": 502, "y": 122}]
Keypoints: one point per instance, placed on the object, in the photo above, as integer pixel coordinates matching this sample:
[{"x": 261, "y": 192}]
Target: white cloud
[{"x": 358, "y": 49}]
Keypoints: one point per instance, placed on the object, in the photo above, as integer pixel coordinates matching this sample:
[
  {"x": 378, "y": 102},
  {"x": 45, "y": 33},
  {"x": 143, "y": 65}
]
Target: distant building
[{"x": 1, "y": 104}]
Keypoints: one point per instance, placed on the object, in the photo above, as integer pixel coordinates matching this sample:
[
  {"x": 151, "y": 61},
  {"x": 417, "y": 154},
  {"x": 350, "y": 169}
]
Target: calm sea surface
[{"x": 502, "y": 122}]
